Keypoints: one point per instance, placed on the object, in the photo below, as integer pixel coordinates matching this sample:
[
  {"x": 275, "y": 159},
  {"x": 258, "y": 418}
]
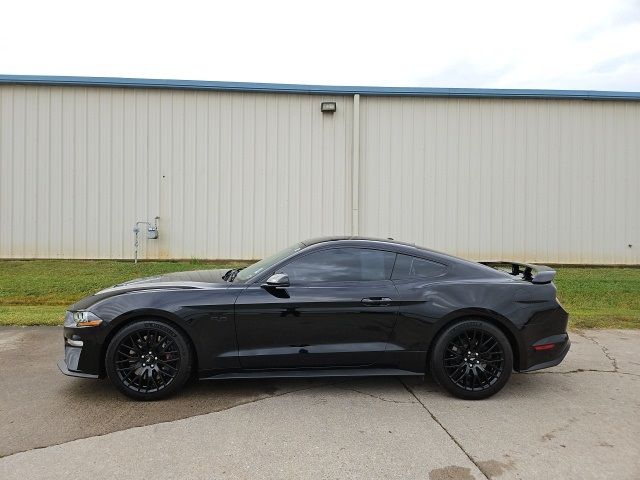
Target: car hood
[
  {"x": 200, "y": 276},
  {"x": 196, "y": 279}
]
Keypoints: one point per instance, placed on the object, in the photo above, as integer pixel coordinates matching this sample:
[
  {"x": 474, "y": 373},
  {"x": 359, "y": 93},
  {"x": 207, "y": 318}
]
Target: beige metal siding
[
  {"x": 536, "y": 180},
  {"x": 240, "y": 175},
  {"x": 231, "y": 175}
]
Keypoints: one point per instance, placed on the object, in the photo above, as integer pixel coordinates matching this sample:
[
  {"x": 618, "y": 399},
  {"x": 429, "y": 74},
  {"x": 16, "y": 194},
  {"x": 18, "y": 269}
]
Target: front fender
[{"x": 205, "y": 316}]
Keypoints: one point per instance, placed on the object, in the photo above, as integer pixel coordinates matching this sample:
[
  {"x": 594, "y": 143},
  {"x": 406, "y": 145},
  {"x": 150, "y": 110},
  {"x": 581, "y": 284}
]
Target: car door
[
  {"x": 420, "y": 308},
  {"x": 338, "y": 311}
]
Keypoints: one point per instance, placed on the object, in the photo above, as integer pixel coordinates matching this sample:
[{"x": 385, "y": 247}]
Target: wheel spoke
[
  {"x": 484, "y": 344},
  {"x": 146, "y": 379},
  {"x": 158, "y": 342},
  {"x": 450, "y": 362},
  {"x": 165, "y": 364},
  {"x": 127, "y": 372},
  {"x": 464, "y": 374},
  {"x": 492, "y": 361},
  {"x": 483, "y": 372},
  {"x": 127, "y": 355},
  {"x": 162, "y": 372},
  {"x": 127, "y": 346},
  {"x": 126, "y": 377},
  {"x": 127, "y": 360},
  {"x": 165, "y": 360}
]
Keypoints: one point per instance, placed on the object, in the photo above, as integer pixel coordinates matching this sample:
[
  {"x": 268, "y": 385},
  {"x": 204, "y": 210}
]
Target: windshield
[{"x": 252, "y": 270}]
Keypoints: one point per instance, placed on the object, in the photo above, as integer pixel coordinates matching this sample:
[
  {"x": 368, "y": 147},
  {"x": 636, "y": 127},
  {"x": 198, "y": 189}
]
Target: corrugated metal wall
[
  {"x": 536, "y": 180},
  {"x": 231, "y": 175},
  {"x": 240, "y": 175}
]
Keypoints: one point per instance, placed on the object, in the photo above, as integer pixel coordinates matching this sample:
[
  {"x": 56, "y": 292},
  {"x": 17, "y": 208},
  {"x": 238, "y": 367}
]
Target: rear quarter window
[{"x": 413, "y": 267}]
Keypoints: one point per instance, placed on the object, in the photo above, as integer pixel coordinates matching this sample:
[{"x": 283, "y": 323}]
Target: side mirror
[{"x": 277, "y": 280}]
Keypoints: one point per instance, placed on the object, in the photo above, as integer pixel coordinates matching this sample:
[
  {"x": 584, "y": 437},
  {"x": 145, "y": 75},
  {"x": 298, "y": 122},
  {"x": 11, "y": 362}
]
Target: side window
[
  {"x": 413, "y": 267},
  {"x": 341, "y": 265}
]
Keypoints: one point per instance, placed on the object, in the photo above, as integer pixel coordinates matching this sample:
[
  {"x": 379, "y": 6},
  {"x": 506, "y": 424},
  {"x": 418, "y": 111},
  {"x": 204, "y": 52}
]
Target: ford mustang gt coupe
[{"x": 347, "y": 306}]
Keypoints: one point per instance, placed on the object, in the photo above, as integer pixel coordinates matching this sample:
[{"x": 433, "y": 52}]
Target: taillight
[{"x": 546, "y": 346}]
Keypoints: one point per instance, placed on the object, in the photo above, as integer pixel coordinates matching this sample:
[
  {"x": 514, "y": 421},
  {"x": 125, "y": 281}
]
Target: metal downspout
[{"x": 355, "y": 168}]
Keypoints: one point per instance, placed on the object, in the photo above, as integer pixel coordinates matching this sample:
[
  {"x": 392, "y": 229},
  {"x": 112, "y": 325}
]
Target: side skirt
[{"x": 314, "y": 373}]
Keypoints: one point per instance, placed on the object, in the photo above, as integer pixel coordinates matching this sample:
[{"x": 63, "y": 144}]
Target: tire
[
  {"x": 478, "y": 374},
  {"x": 148, "y": 360}
]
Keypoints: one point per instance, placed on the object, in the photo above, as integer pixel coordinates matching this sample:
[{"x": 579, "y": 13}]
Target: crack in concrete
[
  {"x": 374, "y": 396},
  {"x": 605, "y": 352},
  {"x": 471, "y": 459},
  {"x": 584, "y": 370},
  {"x": 604, "y": 349}
]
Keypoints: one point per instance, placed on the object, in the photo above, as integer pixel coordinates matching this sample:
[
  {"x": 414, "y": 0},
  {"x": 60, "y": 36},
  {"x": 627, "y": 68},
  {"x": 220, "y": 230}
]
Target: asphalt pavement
[{"x": 578, "y": 420}]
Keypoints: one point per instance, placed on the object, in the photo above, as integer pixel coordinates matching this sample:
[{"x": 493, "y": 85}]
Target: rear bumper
[
  {"x": 543, "y": 341},
  {"x": 555, "y": 355}
]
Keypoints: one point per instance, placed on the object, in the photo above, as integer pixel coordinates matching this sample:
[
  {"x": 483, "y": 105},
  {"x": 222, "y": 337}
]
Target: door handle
[{"x": 376, "y": 301}]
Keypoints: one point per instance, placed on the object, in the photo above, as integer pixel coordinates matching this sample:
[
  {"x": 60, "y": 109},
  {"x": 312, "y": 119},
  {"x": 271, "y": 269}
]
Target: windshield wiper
[
  {"x": 226, "y": 276},
  {"x": 231, "y": 274},
  {"x": 234, "y": 274}
]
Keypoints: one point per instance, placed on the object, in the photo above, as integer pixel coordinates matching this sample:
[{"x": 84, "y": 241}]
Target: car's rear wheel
[
  {"x": 148, "y": 359},
  {"x": 472, "y": 359}
]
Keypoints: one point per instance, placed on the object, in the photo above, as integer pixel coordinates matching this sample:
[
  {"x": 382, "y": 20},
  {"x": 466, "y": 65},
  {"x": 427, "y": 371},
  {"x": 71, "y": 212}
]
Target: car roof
[
  {"x": 388, "y": 241},
  {"x": 406, "y": 248},
  {"x": 313, "y": 241}
]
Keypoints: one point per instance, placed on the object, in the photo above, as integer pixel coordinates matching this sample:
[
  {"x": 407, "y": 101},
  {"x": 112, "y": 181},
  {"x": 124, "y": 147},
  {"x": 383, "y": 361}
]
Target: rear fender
[{"x": 507, "y": 327}]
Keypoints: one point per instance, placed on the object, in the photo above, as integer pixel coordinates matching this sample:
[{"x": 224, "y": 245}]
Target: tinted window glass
[
  {"x": 410, "y": 267},
  {"x": 341, "y": 265},
  {"x": 259, "y": 267}
]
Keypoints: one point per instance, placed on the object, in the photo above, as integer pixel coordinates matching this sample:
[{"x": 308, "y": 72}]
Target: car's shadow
[
  {"x": 215, "y": 395},
  {"x": 223, "y": 394}
]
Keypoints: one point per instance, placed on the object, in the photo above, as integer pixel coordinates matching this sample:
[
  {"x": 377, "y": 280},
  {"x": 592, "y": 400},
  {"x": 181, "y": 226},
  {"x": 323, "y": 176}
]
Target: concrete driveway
[{"x": 578, "y": 420}]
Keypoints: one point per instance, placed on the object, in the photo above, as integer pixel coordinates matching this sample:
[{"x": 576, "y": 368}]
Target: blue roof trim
[{"x": 316, "y": 89}]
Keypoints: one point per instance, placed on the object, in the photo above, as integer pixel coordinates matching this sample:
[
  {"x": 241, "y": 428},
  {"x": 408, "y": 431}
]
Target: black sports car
[{"x": 345, "y": 306}]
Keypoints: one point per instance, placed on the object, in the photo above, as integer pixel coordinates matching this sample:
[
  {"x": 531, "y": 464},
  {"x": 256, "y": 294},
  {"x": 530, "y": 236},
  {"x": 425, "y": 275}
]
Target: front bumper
[
  {"x": 82, "y": 350},
  {"x": 62, "y": 365}
]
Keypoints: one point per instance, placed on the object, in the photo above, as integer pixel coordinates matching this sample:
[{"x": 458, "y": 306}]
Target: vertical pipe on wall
[{"x": 355, "y": 168}]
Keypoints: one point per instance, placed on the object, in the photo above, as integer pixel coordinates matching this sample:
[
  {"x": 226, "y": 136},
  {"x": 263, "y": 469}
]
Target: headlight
[{"x": 86, "y": 319}]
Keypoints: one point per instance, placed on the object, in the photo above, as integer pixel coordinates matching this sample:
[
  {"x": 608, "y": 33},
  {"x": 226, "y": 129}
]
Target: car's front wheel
[
  {"x": 148, "y": 359},
  {"x": 472, "y": 359}
]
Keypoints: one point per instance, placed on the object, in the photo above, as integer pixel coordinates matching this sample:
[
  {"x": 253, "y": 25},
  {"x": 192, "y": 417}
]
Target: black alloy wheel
[
  {"x": 472, "y": 359},
  {"x": 148, "y": 360}
]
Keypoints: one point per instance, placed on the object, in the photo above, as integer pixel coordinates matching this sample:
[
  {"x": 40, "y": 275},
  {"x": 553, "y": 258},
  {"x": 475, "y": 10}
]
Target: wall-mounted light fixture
[{"x": 328, "y": 107}]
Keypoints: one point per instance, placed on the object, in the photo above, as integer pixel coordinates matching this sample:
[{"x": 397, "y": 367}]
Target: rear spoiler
[{"x": 530, "y": 273}]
